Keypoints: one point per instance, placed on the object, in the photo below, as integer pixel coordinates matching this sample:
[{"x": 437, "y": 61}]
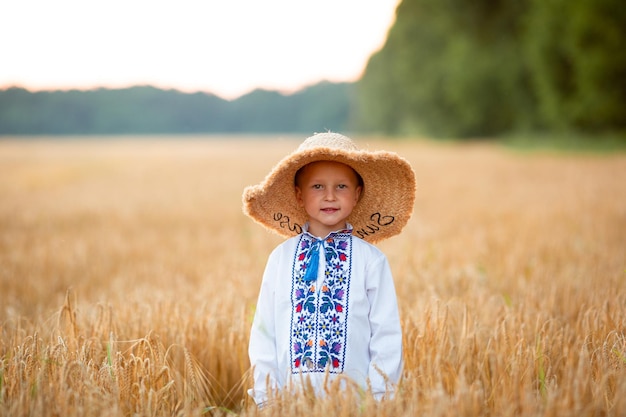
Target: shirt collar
[{"x": 345, "y": 231}]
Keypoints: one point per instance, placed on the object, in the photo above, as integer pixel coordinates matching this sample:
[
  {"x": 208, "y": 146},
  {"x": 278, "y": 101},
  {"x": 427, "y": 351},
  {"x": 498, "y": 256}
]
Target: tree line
[{"x": 149, "y": 110}]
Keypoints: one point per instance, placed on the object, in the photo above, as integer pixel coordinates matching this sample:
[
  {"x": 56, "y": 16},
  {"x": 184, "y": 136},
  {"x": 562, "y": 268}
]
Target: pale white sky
[{"x": 227, "y": 47}]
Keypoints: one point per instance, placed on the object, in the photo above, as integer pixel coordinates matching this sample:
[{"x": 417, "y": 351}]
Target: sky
[{"x": 226, "y": 47}]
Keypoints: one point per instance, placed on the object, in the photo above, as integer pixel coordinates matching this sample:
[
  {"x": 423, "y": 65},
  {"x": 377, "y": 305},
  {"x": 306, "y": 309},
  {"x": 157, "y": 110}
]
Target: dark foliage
[{"x": 489, "y": 67}]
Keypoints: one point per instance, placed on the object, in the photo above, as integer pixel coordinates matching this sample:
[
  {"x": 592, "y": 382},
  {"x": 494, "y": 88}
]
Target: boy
[{"x": 327, "y": 304}]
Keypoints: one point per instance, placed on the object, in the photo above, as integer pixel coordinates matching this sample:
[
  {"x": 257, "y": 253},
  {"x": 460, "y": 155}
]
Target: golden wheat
[{"x": 129, "y": 275}]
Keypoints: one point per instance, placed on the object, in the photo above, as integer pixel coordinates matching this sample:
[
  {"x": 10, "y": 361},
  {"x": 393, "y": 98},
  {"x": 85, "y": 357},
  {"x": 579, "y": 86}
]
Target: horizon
[{"x": 96, "y": 88}]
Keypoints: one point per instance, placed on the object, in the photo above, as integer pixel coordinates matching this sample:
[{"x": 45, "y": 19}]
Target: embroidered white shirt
[{"x": 346, "y": 322}]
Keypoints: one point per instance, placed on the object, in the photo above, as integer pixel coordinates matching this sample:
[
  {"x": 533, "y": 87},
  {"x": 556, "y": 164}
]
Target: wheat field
[{"x": 129, "y": 276}]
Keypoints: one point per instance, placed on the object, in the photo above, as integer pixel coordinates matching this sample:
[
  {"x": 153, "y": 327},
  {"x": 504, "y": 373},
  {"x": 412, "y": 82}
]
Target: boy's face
[{"x": 328, "y": 191}]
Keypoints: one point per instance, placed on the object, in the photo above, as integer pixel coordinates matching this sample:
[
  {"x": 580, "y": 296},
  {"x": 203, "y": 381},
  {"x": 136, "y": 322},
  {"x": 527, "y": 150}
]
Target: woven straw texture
[{"x": 386, "y": 202}]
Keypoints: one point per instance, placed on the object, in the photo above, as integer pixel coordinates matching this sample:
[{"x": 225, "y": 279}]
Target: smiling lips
[{"x": 329, "y": 210}]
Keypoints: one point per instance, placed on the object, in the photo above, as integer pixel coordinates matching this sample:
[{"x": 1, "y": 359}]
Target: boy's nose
[{"x": 330, "y": 194}]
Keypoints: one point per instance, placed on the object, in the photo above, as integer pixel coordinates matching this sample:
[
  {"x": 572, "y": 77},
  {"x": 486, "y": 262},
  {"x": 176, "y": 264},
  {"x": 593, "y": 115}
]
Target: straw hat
[{"x": 386, "y": 201}]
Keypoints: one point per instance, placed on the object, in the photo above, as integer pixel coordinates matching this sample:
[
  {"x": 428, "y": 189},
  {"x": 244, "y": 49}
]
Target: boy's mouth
[{"x": 329, "y": 210}]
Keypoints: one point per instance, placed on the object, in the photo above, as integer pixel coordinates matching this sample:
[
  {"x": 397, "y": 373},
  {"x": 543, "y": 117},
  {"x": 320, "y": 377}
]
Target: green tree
[
  {"x": 576, "y": 52},
  {"x": 488, "y": 67}
]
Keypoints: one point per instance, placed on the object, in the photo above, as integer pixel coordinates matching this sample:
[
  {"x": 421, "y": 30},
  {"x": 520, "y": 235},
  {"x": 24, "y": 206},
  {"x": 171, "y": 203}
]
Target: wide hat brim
[{"x": 386, "y": 201}]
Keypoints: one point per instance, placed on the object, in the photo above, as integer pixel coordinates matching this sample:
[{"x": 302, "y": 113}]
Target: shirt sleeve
[
  {"x": 262, "y": 347},
  {"x": 385, "y": 366}
]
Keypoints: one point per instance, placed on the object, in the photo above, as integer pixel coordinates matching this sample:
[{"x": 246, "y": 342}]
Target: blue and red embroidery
[{"x": 319, "y": 318}]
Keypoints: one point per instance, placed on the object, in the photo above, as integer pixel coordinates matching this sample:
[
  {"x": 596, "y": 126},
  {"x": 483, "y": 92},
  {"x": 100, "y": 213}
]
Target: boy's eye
[
  {"x": 342, "y": 186},
  {"x": 317, "y": 186}
]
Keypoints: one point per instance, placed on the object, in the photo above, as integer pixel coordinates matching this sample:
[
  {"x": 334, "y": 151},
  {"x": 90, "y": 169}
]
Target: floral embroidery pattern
[{"x": 318, "y": 318}]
